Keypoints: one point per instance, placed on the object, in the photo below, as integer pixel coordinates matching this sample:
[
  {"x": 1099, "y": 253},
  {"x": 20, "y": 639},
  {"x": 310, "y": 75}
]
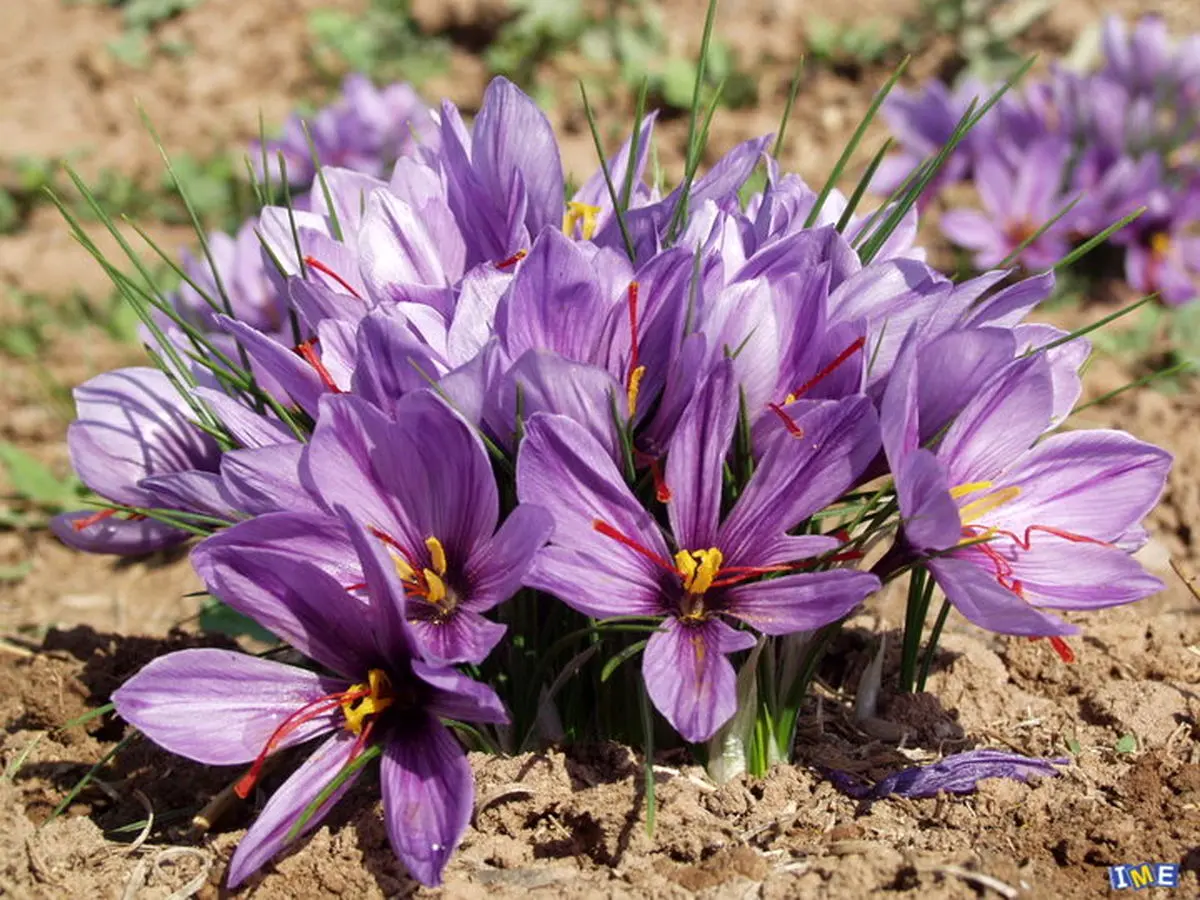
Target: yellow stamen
[
  {"x": 977, "y": 509},
  {"x": 437, "y": 587},
  {"x": 789, "y": 399},
  {"x": 1160, "y": 243},
  {"x": 380, "y": 698},
  {"x": 577, "y": 213},
  {"x": 969, "y": 488},
  {"x": 403, "y": 569},
  {"x": 437, "y": 554},
  {"x": 698, "y": 568},
  {"x": 635, "y": 382}
]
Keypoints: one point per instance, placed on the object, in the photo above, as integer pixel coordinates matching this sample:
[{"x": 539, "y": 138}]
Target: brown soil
[{"x": 565, "y": 825}]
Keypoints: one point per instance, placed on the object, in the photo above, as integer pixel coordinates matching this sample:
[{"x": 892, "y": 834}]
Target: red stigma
[
  {"x": 306, "y": 713},
  {"x": 608, "y": 531},
  {"x": 829, "y": 369},
  {"x": 661, "y": 490},
  {"x": 307, "y": 352},
  {"x": 788, "y": 422},
  {"x": 81, "y": 524},
  {"x": 512, "y": 260},
  {"x": 633, "y": 333},
  {"x": 1063, "y": 649},
  {"x": 325, "y": 270}
]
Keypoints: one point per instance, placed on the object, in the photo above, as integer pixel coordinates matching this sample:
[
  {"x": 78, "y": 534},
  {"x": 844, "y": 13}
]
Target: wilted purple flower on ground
[
  {"x": 1016, "y": 204},
  {"x": 134, "y": 443},
  {"x": 366, "y": 129},
  {"x": 608, "y": 556},
  {"x": 1010, "y": 522},
  {"x": 956, "y": 774},
  {"x": 225, "y": 708}
]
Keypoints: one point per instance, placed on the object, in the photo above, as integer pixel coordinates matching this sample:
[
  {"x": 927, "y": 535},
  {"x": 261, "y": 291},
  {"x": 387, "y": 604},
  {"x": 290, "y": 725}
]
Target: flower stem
[{"x": 931, "y": 645}]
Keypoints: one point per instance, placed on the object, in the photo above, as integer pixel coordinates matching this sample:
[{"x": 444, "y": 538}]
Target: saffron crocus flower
[
  {"x": 609, "y": 558},
  {"x": 422, "y": 484},
  {"x": 1163, "y": 250},
  {"x": 956, "y": 774},
  {"x": 923, "y": 121},
  {"x": 133, "y": 441},
  {"x": 225, "y": 708},
  {"x": 1010, "y": 523},
  {"x": 1017, "y": 202},
  {"x": 366, "y": 129}
]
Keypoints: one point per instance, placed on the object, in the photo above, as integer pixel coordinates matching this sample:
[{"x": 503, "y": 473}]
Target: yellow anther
[
  {"x": 403, "y": 569},
  {"x": 1160, "y": 243},
  {"x": 977, "y": 509},
  {"x": 379, "y": 699},
  {"x": 789, "y": 399},
  {"x": 580, "y": 213},
  {"x": 437, "y": 554},
  {"x": 969, "y": 488},
  {"x": 698, "y": 568},
  {"x": 437, "y": 587},
  {"x": 631, "y": 393}
]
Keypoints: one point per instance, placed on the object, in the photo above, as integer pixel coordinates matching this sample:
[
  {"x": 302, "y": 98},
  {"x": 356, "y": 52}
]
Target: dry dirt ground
[{"x": 573, "y": 825}]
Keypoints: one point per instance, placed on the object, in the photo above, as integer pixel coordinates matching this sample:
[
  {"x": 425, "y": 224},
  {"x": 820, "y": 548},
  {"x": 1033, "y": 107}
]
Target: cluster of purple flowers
[
  {"x": 650, "y": 405},
  {"x": 1111, "y": 142}
]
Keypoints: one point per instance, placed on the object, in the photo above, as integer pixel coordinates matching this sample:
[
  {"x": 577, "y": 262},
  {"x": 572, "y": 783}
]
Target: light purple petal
[
  {"x": 800, "y": 602},
  {"x": 957, "y": 774},
  {"x": 250, "y": 429},
  {"x": 1061, "y": 574},
  {"x": 268, "y": 835},
  {"x": 969, "y": 581},
  {"x": 690, "y": 679},
  {"x": 799, "y": 475},
  {"x": 460, "y": 698},
  {"x": 221, "y": 707},
  {"x": 495, "y": 570},
  {"x": 1000, "y": 423},
  {"x": 931, "y": 518},
  {"x": 563, "y": 469},
  {"x": 123, "y": 537},
  {"x": 1097, "y": 483},
  {"x": 598, "y": 584},
  {"x": 428, "y": 796},
  {"x": 464, "y": 636},
  {"x": 695, "y": 460},
  {"x": 267, "y": 479}
]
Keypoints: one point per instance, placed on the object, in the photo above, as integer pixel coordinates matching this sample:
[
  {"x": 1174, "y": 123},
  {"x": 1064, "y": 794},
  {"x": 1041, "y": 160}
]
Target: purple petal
[
  {"x": 309, "y": 537},
  {"x": 131, "y": 424},
  {"x": 458, "y": 697},
  {"x": 695, "y": 460},
  {"x": 267, "y": 479},
  {"x": 564, "y": 470},
  {"x": 464, "y": 636},
  {"x": 495, "y": 570},
  {"x": 250, "y": 429},
  {"x": 957, "y": 774},
  {"x": 1000, "y": 423},
  {"x": 428, "y": 795},
  {"x": 513, "y": 137},
  {"x": 268, "y": 835},
  {"x": 799, "y": 475},
  {"x": 197, "y": 492},
  {"x": 221, "y": 707},
  {"x": 689, "y": 677},
  {"x": 968, "y": 579},
  {"x": 391, "y": 362},
  {"x": 122, "y": 537},
  {"x": 297, "y": 378},
  {"x": 800, "y": 602},
  {"x": 541, "y": 381},
  {"x": 931, "y": 518},
  {"x": 1097, "y": 483},
  {"x": 1060, "y": 574},
  {"x": 295, "y": 600}
]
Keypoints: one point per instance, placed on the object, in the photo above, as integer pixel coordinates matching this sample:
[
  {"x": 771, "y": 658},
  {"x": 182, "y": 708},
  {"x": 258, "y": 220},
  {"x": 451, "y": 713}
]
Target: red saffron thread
[
  {"x": 325, "y": 270},
  {"x": 788, "y": 422},
  {"x": 307, "y": 352},
  {"x": 608, "y": 531},
  {"x": 512, "y": 260},
  {"x": 306, "y": 713},
  {"x": 829, "y": 369}
]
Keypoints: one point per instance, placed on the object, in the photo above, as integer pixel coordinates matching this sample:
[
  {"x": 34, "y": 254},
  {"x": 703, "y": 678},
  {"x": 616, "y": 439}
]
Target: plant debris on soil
[{"x": 568, "y": 824}]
